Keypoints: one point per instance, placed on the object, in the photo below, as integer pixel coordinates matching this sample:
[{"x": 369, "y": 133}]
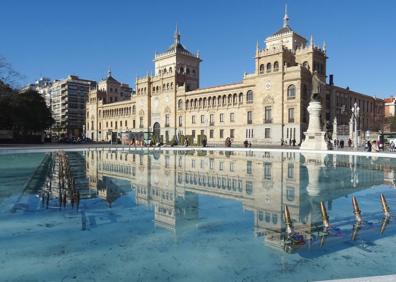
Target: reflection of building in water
[{"x": 265, "y": 182}]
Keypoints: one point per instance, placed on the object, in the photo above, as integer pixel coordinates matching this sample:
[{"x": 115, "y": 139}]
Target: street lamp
[{"x": 355, "y": 115}]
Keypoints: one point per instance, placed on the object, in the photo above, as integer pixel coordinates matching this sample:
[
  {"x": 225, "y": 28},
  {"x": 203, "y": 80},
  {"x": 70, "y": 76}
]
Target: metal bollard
[
  {"x": 288, "y": 221},
  {"x": 325, "y": 217},
  {"x": 356, "y": 210},
  {"x": 385, "y": 206}
]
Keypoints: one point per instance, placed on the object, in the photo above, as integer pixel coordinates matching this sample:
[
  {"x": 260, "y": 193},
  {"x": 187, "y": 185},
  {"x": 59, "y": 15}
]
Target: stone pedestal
[{"x": 314, "y": 137}]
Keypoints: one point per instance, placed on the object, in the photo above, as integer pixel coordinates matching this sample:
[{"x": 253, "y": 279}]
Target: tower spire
[
  {"x": 177, "y": 35},
  {"x": 285, "y": 18}
]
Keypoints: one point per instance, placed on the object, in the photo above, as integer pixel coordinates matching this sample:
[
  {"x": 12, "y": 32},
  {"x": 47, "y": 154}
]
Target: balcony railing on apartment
[{"x": 268, "y": 120}]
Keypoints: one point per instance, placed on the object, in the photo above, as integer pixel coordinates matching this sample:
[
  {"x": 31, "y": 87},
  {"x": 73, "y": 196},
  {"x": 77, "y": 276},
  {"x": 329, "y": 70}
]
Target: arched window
[
  {"x": 209, "y": 101},
  {"x": 181, "y": 70},
  {"x": 240, "y": 98},
  {"x": 224, "y": 100},
  {"x": 195, "y": 103},
  {"x": 204, "y": 102},
  {"x": 170, "y": 69},
  {"x": 249, "y": 96},
  {"x": 191, "y": 104},
  {"x": 235, "y": 99},
  {"x": 269, "y": 67},
  {"x": 187, "y": 71},
  {"x": 291, "y": 92},
  {"x": 180, "y": 104},
  {"x": 214, "y": 101},
  {"x": 164, "y": 71},
  {"x": 200, "y": 102},
  {"x": 167, "y": 86},
  {"x": 229, "y": 99},
  {"x": 276, "y": 66},
  {"x": 219, "y": 101},
  {"x": 262, "y": 68},
  {"x": 187, "y": 101}
]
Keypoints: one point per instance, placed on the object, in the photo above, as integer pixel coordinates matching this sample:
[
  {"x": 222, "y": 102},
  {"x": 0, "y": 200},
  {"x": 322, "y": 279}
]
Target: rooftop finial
[
  {"x": 177, "y": 35},
  {"x": 285, "y": 18},
  {"x": 311, "y": 41},
  {"x": 109, "y": 72}
]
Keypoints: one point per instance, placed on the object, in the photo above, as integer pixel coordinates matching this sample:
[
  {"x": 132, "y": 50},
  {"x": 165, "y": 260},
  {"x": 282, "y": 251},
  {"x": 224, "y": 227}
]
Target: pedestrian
[
  {"x": 369, "y": 146},
  {"x": 342, "y": 144},
  {"x": 204, "y": 142},
  {"x": 294, "y": 142},
  {"x": 375, "y": 147},
  {"x": 349, "y": 142}
]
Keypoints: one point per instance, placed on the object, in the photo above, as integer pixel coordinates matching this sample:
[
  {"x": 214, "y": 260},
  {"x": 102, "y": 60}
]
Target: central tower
[{"x": 177, "y": 61}]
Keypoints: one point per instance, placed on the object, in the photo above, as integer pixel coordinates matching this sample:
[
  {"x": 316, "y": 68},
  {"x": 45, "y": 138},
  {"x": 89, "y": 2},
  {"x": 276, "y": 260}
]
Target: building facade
[
  {"x": 267, "y": 106},
  {"x": 67, "y": 103}
]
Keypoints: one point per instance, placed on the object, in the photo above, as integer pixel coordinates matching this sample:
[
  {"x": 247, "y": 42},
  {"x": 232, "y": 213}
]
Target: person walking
[{"x": 369, "y": 146}]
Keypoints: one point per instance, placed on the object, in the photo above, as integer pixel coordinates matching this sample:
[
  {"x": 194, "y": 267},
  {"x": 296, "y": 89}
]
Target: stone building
[
  {"x": 109, "y": 109},
  {"x": 267, "y": 106}
]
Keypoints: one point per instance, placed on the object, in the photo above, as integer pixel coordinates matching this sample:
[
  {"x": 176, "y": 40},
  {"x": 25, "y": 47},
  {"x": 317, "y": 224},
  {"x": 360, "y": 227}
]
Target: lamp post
[{"x": 355, "y": 114}]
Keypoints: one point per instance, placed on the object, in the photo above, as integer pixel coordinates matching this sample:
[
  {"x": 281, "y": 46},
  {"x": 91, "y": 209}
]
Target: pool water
[{"x": 194, "y": 215}]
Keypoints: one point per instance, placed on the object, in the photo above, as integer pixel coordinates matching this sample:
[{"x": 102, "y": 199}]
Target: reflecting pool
[{"x": 194, "y": 215}]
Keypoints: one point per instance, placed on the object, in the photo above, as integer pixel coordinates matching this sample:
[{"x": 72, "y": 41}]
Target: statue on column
[
  {"x": 314, "y": 136},
  {"x": 317, "y": 85}
]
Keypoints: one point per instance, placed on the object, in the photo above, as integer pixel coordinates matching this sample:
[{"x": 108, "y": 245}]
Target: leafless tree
[{"x": 7, "y": 74}]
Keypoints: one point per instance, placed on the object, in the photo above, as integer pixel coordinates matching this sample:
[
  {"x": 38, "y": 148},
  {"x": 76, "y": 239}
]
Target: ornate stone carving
[{"x": 268, "y": 100}]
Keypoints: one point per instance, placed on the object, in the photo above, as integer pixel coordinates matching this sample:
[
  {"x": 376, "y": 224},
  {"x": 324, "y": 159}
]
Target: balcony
[
  {"x": 268, "y": 120},
  {"x": 291, "y": 120}
]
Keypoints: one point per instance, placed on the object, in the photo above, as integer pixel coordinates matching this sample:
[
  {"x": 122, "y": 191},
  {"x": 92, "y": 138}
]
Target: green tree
[{"x": 24, "y": 113}]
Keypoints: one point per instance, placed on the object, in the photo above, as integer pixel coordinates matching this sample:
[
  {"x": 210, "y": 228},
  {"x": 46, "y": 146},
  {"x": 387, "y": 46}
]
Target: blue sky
[{"x": 57, "y": 38}]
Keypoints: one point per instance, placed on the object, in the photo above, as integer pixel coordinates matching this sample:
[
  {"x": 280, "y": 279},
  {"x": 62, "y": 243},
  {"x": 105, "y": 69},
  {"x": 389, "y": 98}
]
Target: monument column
[{"x": 314, "y": 136}]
